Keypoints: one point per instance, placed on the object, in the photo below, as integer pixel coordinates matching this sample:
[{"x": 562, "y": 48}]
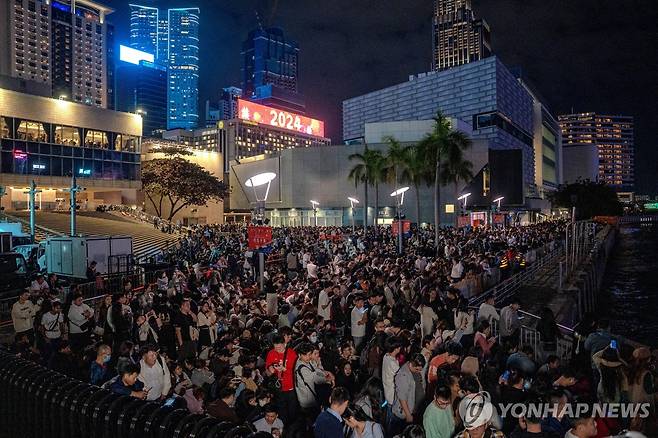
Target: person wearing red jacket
[{"x": 280, "y": 361}]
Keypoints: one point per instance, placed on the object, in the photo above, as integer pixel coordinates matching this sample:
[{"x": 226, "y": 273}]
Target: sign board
[
  {"x": 259, "y": 236},
  {"x": 406, "y": 227},
  {"x": 254, "y": 112},
  {"x": 463, "y": 221},
  {"x": 498, "y": 219}
]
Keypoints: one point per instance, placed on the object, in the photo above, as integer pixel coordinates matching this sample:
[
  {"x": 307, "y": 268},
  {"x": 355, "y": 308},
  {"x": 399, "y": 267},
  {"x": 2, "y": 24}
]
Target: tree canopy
[
  {"x": 590, "y": 199},
  {"x": 180, "y": 182}
]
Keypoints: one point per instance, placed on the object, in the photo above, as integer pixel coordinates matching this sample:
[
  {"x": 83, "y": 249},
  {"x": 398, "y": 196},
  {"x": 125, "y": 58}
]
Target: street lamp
[
  {"x": 315, "y": 204},
  {"x": 497, "y": 200},
  {"x": 399, "y": 196},
  {"x": 352, "y": 202},
  {"x": 257, "y": 181}
]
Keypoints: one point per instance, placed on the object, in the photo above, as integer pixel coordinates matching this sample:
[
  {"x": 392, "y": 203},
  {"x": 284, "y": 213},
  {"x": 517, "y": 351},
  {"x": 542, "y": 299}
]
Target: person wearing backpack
[{"x": 307, "y": 376}]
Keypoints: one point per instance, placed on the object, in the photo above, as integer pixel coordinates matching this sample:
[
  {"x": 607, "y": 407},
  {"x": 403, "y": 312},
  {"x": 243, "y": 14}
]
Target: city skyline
[{"x": 560, "y": 46}]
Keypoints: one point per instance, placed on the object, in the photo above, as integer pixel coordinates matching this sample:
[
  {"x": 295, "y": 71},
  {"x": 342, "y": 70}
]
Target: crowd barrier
[{"x": 39, "y": 402}]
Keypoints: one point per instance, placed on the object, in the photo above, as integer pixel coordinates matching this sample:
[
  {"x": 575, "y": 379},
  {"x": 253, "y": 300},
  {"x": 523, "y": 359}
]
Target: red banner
[
  {"x": 498, "y": 219},
  {"x": 463, "y": 221},
  {"x": 259, "y": 236},
  {"x": 406, "y": 227}
]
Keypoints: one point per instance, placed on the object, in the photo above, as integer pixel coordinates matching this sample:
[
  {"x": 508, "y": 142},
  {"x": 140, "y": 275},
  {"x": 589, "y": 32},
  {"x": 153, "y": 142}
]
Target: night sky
[{"x": 585, "y": 55}]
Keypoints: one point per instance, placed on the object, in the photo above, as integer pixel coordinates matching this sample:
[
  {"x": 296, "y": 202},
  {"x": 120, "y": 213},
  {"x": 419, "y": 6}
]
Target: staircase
[{"x": 147, "y": 240}]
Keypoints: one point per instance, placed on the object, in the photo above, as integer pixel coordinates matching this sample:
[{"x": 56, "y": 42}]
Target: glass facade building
[
  {"x": 88, "y": 142},
  {"x": 183, "y": 48},
  {"x": 144, "y": 29}
]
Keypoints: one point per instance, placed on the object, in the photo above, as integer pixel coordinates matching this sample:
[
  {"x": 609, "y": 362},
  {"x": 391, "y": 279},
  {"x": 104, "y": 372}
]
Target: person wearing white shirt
[
  {"x": 324, "y": 303},
  {"x": 22, "y": 315},
  {"x": 154, "y": 374},
  {"x": 390, "y": 367},
  {"x": 40, "y": 285},
  {"x": 52, "y": 323},
  {"x": 457, "y": 270},
  {"x": 80, "y": 319},
  {"x": 487, "y": 311},
  {"x": 312, "y": 269},
  {"x": 359, "y": 317}
]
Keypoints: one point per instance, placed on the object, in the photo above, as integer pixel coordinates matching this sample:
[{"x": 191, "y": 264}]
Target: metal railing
[{"x": 509, "y": 287}]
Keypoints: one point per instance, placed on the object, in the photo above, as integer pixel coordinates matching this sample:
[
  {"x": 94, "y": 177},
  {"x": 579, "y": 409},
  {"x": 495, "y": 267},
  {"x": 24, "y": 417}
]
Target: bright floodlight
[
  {"x": 260, "y": 180},
  {"x": 500, "y": 198},
  {"x": 354, "y": 200},
  {"x": 399, "y": 191},
  {"x": 314, "y": 203},
  {"x": 464, "y": 196}
]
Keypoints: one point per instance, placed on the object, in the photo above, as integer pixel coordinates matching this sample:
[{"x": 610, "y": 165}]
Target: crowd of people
[{"x": 347, "y": 338}]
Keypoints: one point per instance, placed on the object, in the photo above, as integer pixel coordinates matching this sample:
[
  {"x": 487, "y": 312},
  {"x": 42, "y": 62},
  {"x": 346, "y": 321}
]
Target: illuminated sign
[
  {"x": 254, "y": 112},
  {"x": 38, "y": 166},
  {"x": 134, "y": 56},
  {"x": 82, "y": 171},
  {"x": 651, "y": 206},
  {"x": 20, "y": 155}
]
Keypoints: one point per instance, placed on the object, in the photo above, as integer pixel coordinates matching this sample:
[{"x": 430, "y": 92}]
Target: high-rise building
[
  {"x": 143, "y": 89},
  {"x": 459, "y": 38},
  {"x": 183, "y": 55},
  {"x": 144, "y": 30},
  {"x": 269, "y": 58},
  {"x": 61, "y": 48},
  {"x": 588, "y": 136},
  {"x": 163, "y": 39},
  {"x": 225, "y": 109}
]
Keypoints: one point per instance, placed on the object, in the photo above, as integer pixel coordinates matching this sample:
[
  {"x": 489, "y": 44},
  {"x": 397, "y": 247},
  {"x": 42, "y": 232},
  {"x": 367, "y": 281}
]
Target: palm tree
[
  {"x": 454, "y": 168},
  {"x": 415, "y": 171},
  {"x": 435, "y": 147},
  {"x": 369, "y": 170}
]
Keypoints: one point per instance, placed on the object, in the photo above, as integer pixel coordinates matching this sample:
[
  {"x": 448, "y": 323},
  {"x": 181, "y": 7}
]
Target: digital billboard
[
  {"x": 134, "y": 56},
  {"x": 266, "y": 115}
]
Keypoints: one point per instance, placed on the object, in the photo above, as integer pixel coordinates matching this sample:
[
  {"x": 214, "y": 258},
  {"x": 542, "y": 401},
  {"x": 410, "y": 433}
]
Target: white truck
[{"x": 70, "y": 256}]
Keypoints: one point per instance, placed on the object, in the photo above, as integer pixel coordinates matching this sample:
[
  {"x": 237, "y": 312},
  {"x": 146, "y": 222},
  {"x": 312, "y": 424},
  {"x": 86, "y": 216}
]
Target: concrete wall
[
  {"x": 212, "y": 212},
  {"x": 322, "y": 173},
  {"x": 580, "y": 162},
  {"x": 62, "y": 112}
]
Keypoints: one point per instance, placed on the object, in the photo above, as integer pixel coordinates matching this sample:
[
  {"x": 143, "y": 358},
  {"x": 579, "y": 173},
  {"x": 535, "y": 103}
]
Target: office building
[
  {"x": 183, "y": 55},
  {"x": 163, "y": 39},
  {"x": 256, "y": 131},
  {"x": 458, "y": 37},
  {"x": 144, "y": 29},
  {"x": 142, "y": 89},
  {"x": 59, "y": 48},
  {"x": 270, "y": 69},
  {"x": 483, "y": 94},
  {"x": 48, "y": 140},
  {"x": 599, "y": 147},
  {"x": 225, "y": 109}
]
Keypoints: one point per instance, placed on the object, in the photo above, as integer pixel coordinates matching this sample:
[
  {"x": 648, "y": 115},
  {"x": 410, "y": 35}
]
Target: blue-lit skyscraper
[
  {"x": 144, "y": 29},
  {"x": 183, "y": 50}
]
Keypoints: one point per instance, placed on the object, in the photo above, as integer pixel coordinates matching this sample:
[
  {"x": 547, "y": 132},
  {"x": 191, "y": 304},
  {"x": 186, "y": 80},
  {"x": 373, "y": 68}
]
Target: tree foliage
[
  {"x": 181, "y": 183},
  {"x": 590, "y": 199}
]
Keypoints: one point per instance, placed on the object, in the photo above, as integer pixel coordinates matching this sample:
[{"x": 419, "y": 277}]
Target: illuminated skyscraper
[
  {"x": 144, "y": 29},
  {"x": 459, "y": 38},
  {"x": 60, "y": 48},
  {"x": 183, "y": 49},
  {"x": 586, "y": 135}
]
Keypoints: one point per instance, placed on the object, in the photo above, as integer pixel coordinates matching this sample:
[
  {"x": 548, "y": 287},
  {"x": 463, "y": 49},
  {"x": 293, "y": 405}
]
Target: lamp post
[
  {"x": 399, "y": 197},
  {"x": 260, "y": 180},
  {"x": 75, "y": 188},
  {"x": 497, "y": 200},
  {"x": 315, "y": 204},
  {"x": 353, "y": 201},
  {"x": 32, "y": 191}
]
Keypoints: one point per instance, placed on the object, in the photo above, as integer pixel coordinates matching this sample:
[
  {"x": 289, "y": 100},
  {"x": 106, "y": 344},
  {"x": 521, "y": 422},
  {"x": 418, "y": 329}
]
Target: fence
[
  {"x": 38, "y": 402},
  {"x": 502, "y": 291}
]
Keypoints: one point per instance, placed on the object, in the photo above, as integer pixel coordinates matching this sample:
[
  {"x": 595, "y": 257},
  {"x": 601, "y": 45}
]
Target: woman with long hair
[
  {"x": 613, "y": 384},
  {"x": 371, "y": 399},
  {"x": 549, "y": 332}
]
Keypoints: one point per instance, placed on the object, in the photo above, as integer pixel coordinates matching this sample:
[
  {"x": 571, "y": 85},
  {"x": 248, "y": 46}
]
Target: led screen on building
[
  {"x": 254, "y": 112},
  {"x": 134, "y": 56}
]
